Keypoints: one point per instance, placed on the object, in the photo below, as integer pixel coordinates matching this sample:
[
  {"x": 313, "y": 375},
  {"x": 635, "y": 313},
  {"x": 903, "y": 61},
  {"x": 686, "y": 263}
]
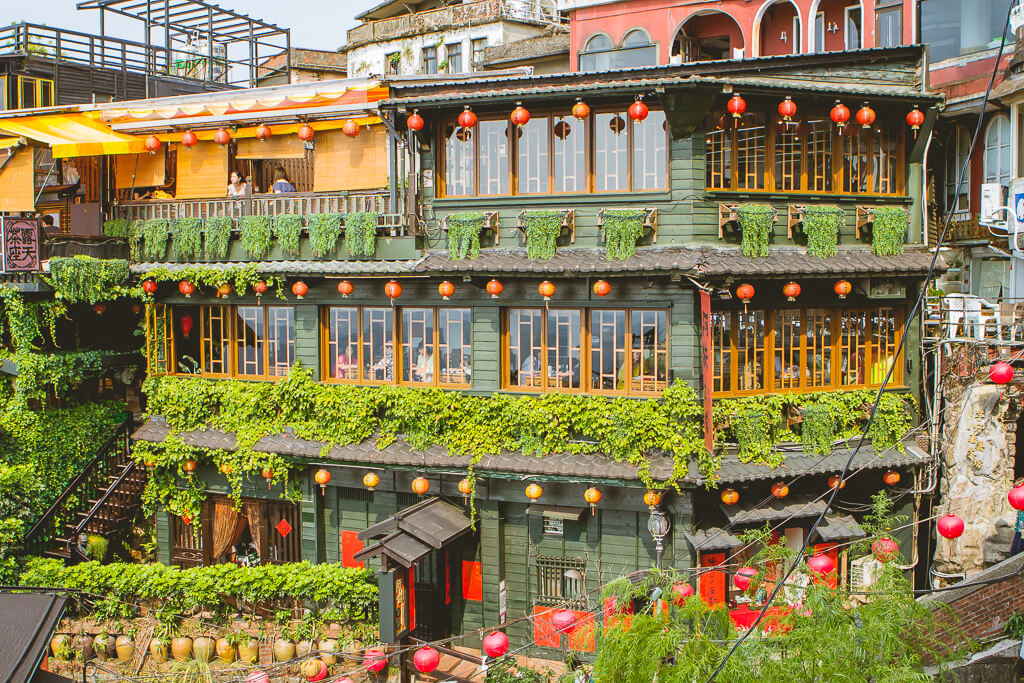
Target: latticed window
[
  {"x": 561, "y": 580},
  {"x": 256, "y": 342}
]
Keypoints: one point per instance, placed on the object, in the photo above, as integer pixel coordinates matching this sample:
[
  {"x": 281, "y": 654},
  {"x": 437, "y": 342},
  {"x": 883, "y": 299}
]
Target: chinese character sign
[{"x": 20, "y": 244}]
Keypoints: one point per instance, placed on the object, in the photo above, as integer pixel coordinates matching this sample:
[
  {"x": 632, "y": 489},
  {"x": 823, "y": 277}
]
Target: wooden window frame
[
  {"x": 4, "y": 96},
  {"x": 730, "y": 149},
  {"x": 589, "y": 156},
  {"x": 397, "y": 370},
  {"x": 550, "y": 385},
  {"x": 160, "y": 352},
  {"x": 836, "y": 346},
  {"x": 233, "y": 339}
]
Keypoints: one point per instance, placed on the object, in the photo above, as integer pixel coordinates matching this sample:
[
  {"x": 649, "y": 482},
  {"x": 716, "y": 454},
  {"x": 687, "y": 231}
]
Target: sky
[{"x": 319, "y": 24}]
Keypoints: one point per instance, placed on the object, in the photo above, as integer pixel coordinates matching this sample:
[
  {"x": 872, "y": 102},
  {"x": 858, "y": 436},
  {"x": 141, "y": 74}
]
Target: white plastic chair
[{"x": 966, "y": 309}]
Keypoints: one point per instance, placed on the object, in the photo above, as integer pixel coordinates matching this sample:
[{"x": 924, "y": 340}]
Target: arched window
[
  {"x": 636, "y": 38},
  {"x": 997, "y": 151},
  {"x": 598, "y": 43},
  {"x": 958, "y": 151}
]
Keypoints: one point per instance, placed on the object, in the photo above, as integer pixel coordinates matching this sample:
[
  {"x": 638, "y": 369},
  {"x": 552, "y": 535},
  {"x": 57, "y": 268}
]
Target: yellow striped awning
[
  {"x": 73, "y": 135},
  {"x": 7, "y": 143}
]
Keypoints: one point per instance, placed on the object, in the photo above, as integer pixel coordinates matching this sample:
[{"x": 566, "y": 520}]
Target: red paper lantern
[
  {"x": 392, "y": 290},
  {"x": 187, "y": 322},
  {"x": 268, "y": 474},
  {"x": 420, "y": 485},
  {"x": 305, "y": 132},
  {"x": 564, "y": 620},
  {"x": 787, "y": 109},
  {"x": 891, "y": 477},
  {"x": 791, "y": 290},
  {"x": 743, "y": 577},
  {"x": 345, "y": 288},
  {"x": 840, "y": 115},
  {"x": 546, "y": 289},
  {"x": 186, "y": 288},
  {"x": 186, "y": 518},
  {"x": 580, "y": 110},
  {"x": 884, "y": 549},
  {"x": 374, "y": 660},
  {"x": 260, "y": 288},
  {"x": 1001, "y": 372},
  {"x": 835, "y": 481},
  {"x": 593, "y": 496},
  {"x": 189, "y": 139},
  {"x": 415, "y": 122},
  {"x": 263, "y": 132},
  {"x": 842, "y": 288},
  {"x": 914, "y": 119},
  {"x": 495, "y": 644},
  {"x": 780, "y": 489},
  {"x": 736, "y": 106},
  {"x": 426, "y": 659},
  {"x": 226, "y": 469},
  {"x": 602, "y": 288},
  {"x": 136, "y": 309},
  {"x": 465, "y": 487},
  {"x": 446, "y": 289},
  {"x": 149, "y": 286},
  {"x": 821, "y": 564},
  {"x": 638, "y": 110},
  {"x": 322, "y": 477},
  {"x": 300, "y": 289},
  {"x": 152, "y": 144},
  {"x": 370, "y": 480},
  {"x": 467, "y": 119},
  {"x": 865, "y": 115},
  {"x": 950, "y": 526},
  {"x": 224, "y": 291},
  {"x": 730, "y": 496},
  {"x": 681, "y": 591},
  {"x": 520, "y": 115},
  {"x": 1016, "y": 497},
  {"x": 652, "y": 498},
  {"x": 99, "y": 307},
  {"x": 222, "y": 137},
  {"x": 745, "y": 292},
  {"x": 350, "y": 128},
  {"x": 534, "y": 491},
  {"x": 494, "y": 288},
  {"x": 189, "y": 466}
]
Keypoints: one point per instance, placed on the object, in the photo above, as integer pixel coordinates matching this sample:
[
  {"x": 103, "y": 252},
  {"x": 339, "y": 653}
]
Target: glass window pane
[
  {"x": 533, "y": 156},
  {"x": 455, "y": 354},
  {"x": 524, "y": 352},
  {"x": 883, "y": 346},
  {"x": 250, "y": 333},
  {"x": 788, "y": 157},
  {"x": 787, "y": 349},
  {"x": 280, "y": 340},
  {"x": 563, "y": 342},
  {"x": 721, "y": 338},
  {"x": 418, "y": 345},
  {"x": 856, "y": 162},
  {"x": 750, "y": 351},
  {"x": 883, "y": 165},
  {"x": 648, "y": 352},
  {"x": 493, "y": 156},
  {"x": 818, "y": 348},
  {"x": 459, "y": 161},
  {"x": 378, "y": 344},
  {"x": 607, "y": 349},
  {"x": 650, "y": 153},
  {"x": 611, "y": 147},
  {"x": 853, "y": 327},
  {"x": 343, "y": 343},
  {"x": 819, "y": 154},
  {"x": 453, "y": 55},
  {"x": 570, "y": 158},
  {"x": 216, "y": 340},
  {"x": 750, "y": 151},
  {"x": 718, "y": 152}
]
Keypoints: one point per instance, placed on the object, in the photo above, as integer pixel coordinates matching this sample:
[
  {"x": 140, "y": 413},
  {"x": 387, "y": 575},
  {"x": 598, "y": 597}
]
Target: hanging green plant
[
  {"x": 324, "y": 230},
  {"x": 256, "y": 235},
  {"x": 216, "y": 237},
  {"x": 752, "y": 430},
  {"x": 822, "y": 225},
  {"x": 818, "y": 432},
  {"x": 542, "y": 229},
  {"x": 622, "y": 228},
  {"x": 87, "y": 279},
  {"x": 115, "y": 227},
  {"x": 241, "y": 276},
  {"x": 464, "y": 234},
  {"x": 154, "y": 233},
  {"x": 361, "y": 233},
  {"x": 188, "y": 237},
  {"x": 888, "y": 230},
  {"x": 756, "y": 224},
  {"x": 135, "y": 240},
  {"x": 288, "y": 230}
]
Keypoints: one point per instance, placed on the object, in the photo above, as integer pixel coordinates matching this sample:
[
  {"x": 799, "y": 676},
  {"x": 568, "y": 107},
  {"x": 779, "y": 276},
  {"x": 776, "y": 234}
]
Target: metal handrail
[{"x": 129, "y": 468}]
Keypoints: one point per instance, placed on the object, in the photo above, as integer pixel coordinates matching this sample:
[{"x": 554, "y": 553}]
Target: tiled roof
[
  {"x": 310, "y": 267},
  {"x": 775, "y": 510},
  {"x": 836, "y": 528},
  {"x": 155, "y": 429},
  {"x": 706, "y": 540},
  {"x": 567, "y": 260},
  {"x": 797, "y": 261}
]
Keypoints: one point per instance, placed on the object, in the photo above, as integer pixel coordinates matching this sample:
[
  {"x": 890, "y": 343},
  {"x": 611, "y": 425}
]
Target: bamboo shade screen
[
  {"x": 18, "y": 182},
  {"x": 276, "y": 147},
  {"x": 139, "y": 170},
  {"x": 202, "y": 171},
  {"x": 343, "y": 163}
]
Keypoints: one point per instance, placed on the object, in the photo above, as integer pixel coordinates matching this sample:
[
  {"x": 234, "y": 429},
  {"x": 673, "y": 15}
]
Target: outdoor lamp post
[{"x": 658, "y": 525}]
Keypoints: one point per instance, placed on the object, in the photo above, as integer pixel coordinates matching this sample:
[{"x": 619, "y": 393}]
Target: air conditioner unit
[
  {"x": 863, "y": 573},
  {"x": 993, "y": 205}
]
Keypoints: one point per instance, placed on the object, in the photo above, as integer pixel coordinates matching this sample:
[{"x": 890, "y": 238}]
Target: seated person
[
  {"x": 384, "y": 368},
  {"x": 345, "y": 366},
  {"x": 237, "y": 188},
  {"x": 639, "y": 366},
  {"x": 281, "y": 182},
  {"x": 530, "y": 369},
  {"x": 423, "y": 370}
]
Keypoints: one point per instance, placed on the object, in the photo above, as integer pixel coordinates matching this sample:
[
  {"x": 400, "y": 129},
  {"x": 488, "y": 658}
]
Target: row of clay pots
[
  {"x": 286, "y": 650},
  {"x": 204, "y": 648},
  {"x": 103, "y": 646}
]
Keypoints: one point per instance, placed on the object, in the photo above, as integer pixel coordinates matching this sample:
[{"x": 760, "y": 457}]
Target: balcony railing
[
  {"x": 970, "y": 318},
  {"x": 539, "y": 12}
]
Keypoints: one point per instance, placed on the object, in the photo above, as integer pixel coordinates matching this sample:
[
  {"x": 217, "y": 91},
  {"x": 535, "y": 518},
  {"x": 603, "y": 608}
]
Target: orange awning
[{"x": 73, "y": 135}]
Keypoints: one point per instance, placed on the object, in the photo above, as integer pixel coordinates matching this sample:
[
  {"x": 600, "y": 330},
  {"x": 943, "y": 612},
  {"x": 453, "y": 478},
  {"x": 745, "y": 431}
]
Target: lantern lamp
[
  {"x": 681, "y": 591},
  {"x": 534, "y": 491},
  {"x": 186, "y": 288},
  {"x": 652, "y": 498},
  {"x": 730, "y": 496},
  {"x": 420, "y": 485},
  {"x": 950, "y": 526},
  {"x": 350, "y": 128},
  {"x": 593, "y": 496},
  {"x": 821, "y": 564},
  {"x": 745, "y": 293},
  {"x": 370, "y": 480},
  {"x": 189, "y": 466},
  {"x": 426, "y": 659},
  {"x": 300, "y": 289},
  {"x": 780, "y": 489},
  {"x": 564, "y": 620},
  {"x": 520, "y": 115},
  {"x": 467, "y": 119},
  {"x": 546, "y": 289},
  {"x": 446, "y": 289},
  {"x": 152, "y": 144},
  {"x": 263, "y": 132},
  {"x": 415, "y": 122},
  {"x": 268, "y": 474},
  {"x": 602, "y": 288},
  {"x": 226, "y": 469},
  {"x": 495, "y": 288},
  {"x": 222, "y": 137},
  {"x": 840, "y": 115},
  {"x": 914, "y": 119},
  {"x": 736, "y": 106},
  {"x": 99, "y": 308},
  {"x": 186, "y": 518},
  {"x": 465, "y": 487},
  {"x": 345, "y": 288},
  {"x": 1016, "y": 497},
  {"x": 149, "y": 286},
  {"x": 842, "y": 288},
  {"x": 187, "y": 322},
  {"x": 189, "y": 139},
  {"x": 638, "y": 110},
  {"x": 866, "y": 116},
  {"x": 787, "y": 109},
  {"x": 374, "y": 660},
  {"x": 1001, "y": 373},
  {"x": 743, "y": 577},
  {"x": 580, "y": 110},
  {"x": 884, "y": 549},
  {"x": 260, "y": 288},
  {"x": 224, "y": 291},
  {"x": 891, "y": 477},
  {"x": 305, "y": 132},
  {"x": 791, "y": 290},
  {"x": 495, "y": 644},
  {"x": 322, "y": 477},
  {"x": 392, "y": 290},
  {"x": 835, "y": 482}
]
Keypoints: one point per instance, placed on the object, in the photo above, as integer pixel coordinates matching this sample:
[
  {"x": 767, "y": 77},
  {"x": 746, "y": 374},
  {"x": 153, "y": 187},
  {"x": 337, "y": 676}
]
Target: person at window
[
  {"x": 638, "y": 366},
  {"x": 384, "y": 369},
  {"x": 345, "y": 365},
  {"x": 281, "y": 182},
  {"x": 529, "y": 371},
  {"x": 460, "y": 364},
  {"x": 237, "y": 188},
  {"x": 423, "y": 369}
]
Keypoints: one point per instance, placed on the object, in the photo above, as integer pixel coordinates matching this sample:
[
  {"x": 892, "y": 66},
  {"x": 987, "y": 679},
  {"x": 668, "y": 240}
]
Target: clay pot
[
  {"x": 82, "y": 644},
  {"x": 226, "y": 651},
  {"x": 304, "y": 647},
  {"x": 284, "y": 650},
  {"x": 125, "y": 648},
  {"x": 60, "y": 645},
  {"x": 326, "y": 648},
  {"x": 249, "y": 652},
  {"x": 102, "y": 646},
  {"x": 181, "y": 648},
  {"x": 158, "y": 650},
  {"x": 311, "y": 668},
  {"x": 203, "y": 648}
]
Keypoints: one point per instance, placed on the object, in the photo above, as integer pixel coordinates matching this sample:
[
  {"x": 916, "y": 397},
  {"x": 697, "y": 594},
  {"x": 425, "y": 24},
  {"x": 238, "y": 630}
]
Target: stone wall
[{"x": 982, "y": 609}]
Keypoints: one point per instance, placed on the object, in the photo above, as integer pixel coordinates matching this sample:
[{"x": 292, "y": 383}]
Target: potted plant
[
  {"x": 181, "y": 648},
  {"x": 159, "y": 648},
  {"x": 227, "y": 646},
  {"x": 284, "y": 646},
  {"x": 249, "y": 648},
  {"x": 82, "y": 646},
  {"x": 103, "y": 644},
  {"x": 60, "y": 644},
  {"x": 304, "y": 635},
  {"x": 124, "y": 645},
  {"x": 204, "y": 648},
  {"x": 328, "y": 647}
]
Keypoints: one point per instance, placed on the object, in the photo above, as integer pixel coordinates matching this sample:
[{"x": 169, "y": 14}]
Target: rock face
[{"x": 977, "y": 463}]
